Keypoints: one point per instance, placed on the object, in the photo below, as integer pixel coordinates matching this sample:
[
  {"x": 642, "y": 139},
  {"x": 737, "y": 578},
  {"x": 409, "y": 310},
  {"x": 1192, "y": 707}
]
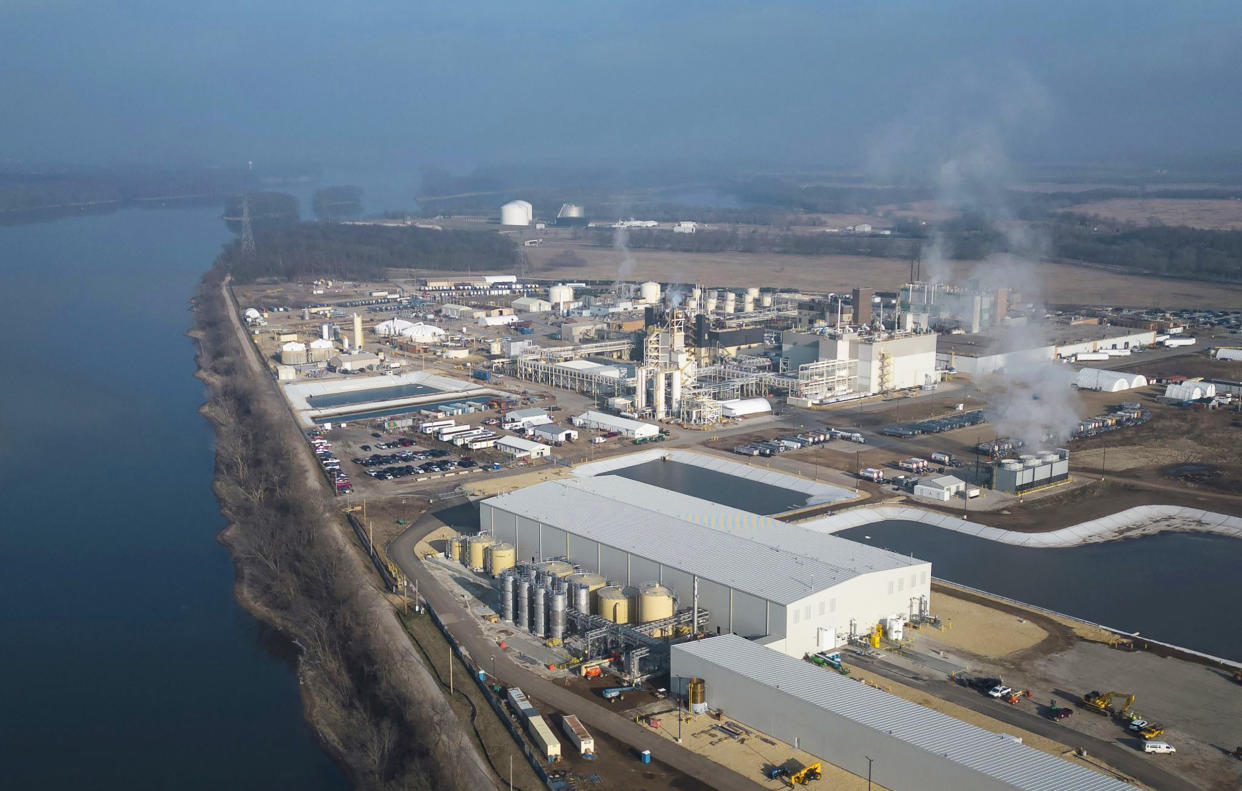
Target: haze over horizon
[{"x": 882, "y": 87}]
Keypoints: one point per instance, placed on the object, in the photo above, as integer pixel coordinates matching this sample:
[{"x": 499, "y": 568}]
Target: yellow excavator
[{"x": 1102, "y": 703}]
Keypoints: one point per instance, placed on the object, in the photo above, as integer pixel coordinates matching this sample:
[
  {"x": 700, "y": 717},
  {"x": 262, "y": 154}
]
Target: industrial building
[
  {"x": 520, "y": 448},
  {"x": 943, "y": 307},
  {"x": 601, "y": 421},
  {"x": 415, "y": 331},
  {"x": 523, "y": 419},
  {"x": 865, "y": 730},
  {"x": 553, "y": 433},
  {"x": 1108, "y": 381},
  {"x": 980, "y": 355},
  {"x": 943, "y": 488},
  {"x": 881, "y": 361},
  {"x": 1031, "y": 471},
  {"x": 531, "y": 305},
  {"x": 793, "y": 589}
]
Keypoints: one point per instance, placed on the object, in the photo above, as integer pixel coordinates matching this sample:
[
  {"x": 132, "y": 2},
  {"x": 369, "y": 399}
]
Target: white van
[{"x": 1158, "y": 747}]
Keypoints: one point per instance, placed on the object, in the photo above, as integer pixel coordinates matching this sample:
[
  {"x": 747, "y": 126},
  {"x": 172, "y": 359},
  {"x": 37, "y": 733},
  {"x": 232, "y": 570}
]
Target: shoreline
[{"x": 1135, "y": 522}]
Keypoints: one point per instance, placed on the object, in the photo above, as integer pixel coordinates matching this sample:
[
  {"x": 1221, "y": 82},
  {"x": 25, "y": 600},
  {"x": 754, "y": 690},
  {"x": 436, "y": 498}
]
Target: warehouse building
[
  {"x": 520, "y": 448},
  {"x": 885, "y": 361},
  {"x": 980, "y": 355},
  {"x": 796, "y": 590},
  {"x": 602, "y": 421},
  {"x": 943, "y": 488},
  {"x": 860, "y": 728},
  {"x": 531, "y": 305}
]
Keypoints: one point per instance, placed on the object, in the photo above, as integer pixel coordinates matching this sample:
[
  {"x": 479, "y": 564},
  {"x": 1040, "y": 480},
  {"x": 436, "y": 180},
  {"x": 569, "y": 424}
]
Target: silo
[
  {"x": 500, "y": 558},
  {"x": 748, "y": 304},
  {"x": 649, "y": 292},
  {"x": 753, "y": 292},
  {"x": 655, "y": 602},
  {"x": 508, "y": 586},
  {"x": 454, "y": 548},
  {"x": 696, "y": 691},
  {"x": 320, "y": 350},
  {"x": 581, "y": 597},
  {"x": 478, "y": 550},
  {"x": 293, "y": 353},
  {"x": 523, "y": 603},
  {"x": 560, "y": 295},
  {"x": 612, "y": 603},
  {"x": 517, "y": 213},
  {"x": 593, "y": 582},
  {"x": 538, "y": 611},
  {"x": 556, "y": 568},
  {"x": 765, "y": 299},
  {"x": 730, "y": 302},
  {"x": 556, "y": 616}
]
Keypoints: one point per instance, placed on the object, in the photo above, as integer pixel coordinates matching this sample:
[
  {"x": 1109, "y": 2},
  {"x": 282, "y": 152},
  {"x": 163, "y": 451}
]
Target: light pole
[{"x": 493, "y": 666}]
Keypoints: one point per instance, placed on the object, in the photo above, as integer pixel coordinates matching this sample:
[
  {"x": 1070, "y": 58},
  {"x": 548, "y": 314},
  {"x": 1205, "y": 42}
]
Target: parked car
[{"x": 999, "y": 691}]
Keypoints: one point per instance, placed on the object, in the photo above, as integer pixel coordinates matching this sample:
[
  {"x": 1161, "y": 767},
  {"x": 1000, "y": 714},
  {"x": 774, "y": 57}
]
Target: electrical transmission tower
[{"x": 247, "y": 238}]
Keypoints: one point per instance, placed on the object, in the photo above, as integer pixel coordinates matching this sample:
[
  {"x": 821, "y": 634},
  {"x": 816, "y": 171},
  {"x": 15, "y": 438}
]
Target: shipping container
[
  {"x": 543, "y": 737},
  {"x": 578, "y": 735},
  {"x": 521, "y": 704},
  {"x": 432, "y": 426}
]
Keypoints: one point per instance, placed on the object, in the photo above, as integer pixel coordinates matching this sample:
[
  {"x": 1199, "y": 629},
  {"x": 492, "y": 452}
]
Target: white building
[
  {"x": 980, "y": 355},
  {"x": 1228, "y": 353},
  {"x": 354, "y": 362},
  {"x": 553, "y": 433},
  {"x": 454, "y": 311},
  {"x": 795, "y": 589},
  {"x": 601, "y": 421},
  {"x": 415, "y": 331},
  {"x": 524, "y": 419},
  {"x": 745, "y": 407},
  {"x": 520, "y": 448},
  {"x": 886, "y": 362},
  {"x": 866, "y": 730},
  {"x": 1190, "y": 390},
  {"x": 943, "y": 488},
  {"x": 532, "y": 305},
  {"x": 517, "y": 214},
  {"x": 1108, "y": 381}
]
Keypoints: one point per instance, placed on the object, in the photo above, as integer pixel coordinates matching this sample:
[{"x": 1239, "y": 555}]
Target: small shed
[{"x": 942, "y": 488}]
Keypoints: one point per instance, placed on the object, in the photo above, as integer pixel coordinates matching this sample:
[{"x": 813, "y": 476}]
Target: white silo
[
  {"x": 748, "y": 303},
  {"x": 765, "y": 299},
  {"x": 649, "y": 292},
  {"x": 730, "y": 302},
  {"x": 753, "y": 292},
  {"x": 560, "y": 295},
  {"x": 710, "y": 302},
  {"x": 516, "y": 213}
]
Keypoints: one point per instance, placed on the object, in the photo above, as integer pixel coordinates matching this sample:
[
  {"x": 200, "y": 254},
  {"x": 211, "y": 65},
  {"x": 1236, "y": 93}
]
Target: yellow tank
[
  {"x": 612, "y": 603},
  {"x": 478, "y": 548},
  {"x": 454, "y": 548},
  {"x": 655, "y": 602},
  {"x": 500, "y": 558},
  {"x": 593, "y": 581},
  {"x": 556, "y": 568},
  {"x": 696, "y": 691}
]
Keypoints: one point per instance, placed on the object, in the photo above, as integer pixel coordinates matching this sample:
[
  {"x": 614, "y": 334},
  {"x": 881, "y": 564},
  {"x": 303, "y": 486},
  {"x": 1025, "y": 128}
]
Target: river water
[{"x": 126, "y": 661}]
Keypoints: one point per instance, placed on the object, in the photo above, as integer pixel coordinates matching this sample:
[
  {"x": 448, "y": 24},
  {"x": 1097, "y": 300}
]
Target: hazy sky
[{"x": 472, "y": 82}]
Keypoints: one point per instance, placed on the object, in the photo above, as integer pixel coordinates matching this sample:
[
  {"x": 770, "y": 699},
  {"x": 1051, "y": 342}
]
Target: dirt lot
[
  {"x": 1212, "y": 214},
  {"x": 1194, "y": 364},
  {"x": 1063, "y": 283}
]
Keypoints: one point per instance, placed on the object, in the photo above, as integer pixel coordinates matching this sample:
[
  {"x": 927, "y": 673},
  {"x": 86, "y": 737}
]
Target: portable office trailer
[
  {"x": 543, "y": 737},
  {"x": 578, "y": 735}
]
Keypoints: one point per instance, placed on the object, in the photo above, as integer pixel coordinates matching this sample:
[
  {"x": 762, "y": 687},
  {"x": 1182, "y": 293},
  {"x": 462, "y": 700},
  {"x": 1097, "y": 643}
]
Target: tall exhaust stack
[{"x": 357, "y": 331}]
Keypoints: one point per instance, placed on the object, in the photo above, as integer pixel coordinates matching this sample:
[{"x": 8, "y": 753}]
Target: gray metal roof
[
  {"x": 951, "y": 739},
  {"x": 749, "y": 566},
  {"x": 850, "y": 556}
]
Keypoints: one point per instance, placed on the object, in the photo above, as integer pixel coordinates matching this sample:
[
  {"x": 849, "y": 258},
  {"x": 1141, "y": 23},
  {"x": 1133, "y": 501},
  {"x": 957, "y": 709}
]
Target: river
[{"x": 127, "y": 663}]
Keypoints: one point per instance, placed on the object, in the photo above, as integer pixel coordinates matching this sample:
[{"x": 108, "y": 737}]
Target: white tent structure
[
  {"x": 1189, "y": 391},
  {"x": 1108, "y": 381},
  {"x": 743, "y": 407},
  {"x": 408, "y": 329}
]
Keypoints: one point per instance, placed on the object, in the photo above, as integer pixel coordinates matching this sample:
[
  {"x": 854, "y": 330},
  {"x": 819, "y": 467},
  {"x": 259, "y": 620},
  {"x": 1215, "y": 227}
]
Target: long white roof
[
  {"x": 750, "y": 553},
  {"x": 942, "y": 736}
]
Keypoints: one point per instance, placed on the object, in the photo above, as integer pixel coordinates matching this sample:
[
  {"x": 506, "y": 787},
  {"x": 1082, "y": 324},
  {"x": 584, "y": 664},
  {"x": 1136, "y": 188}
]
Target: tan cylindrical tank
[
  {"x": 478, "y": 549},
  {"x": 696, "y": 691},
  {"x": 655, "y": 602},
  {"x": 500, "y": 558},
  {"x": 556, "y": 568},
  {"x": 454, "y": 548},
  {"x": 593, "y": 583},
  {"x": 612, "y": 603}
]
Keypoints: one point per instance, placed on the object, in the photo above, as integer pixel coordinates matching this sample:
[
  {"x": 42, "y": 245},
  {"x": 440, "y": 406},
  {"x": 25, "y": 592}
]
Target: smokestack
[{"x": 357, "y": 331}]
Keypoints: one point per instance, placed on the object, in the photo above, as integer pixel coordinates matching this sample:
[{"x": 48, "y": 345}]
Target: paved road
[
  {"x": 1125, "y": 759},
  {"x": 462, "y": 626}
]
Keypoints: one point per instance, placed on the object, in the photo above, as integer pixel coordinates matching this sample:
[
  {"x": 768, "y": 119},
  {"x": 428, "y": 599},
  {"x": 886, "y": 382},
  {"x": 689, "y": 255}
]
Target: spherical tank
[
  {"x": 500, "y": 558},
  {"x": 649, "y": 292},
  {"x": 612, "y": 603},
  {"x": 517, "y": 213},
  {"x": 478, "y": 548},
  {"x": 655, "y": 602},
  {"x": 556, "y": 568}
]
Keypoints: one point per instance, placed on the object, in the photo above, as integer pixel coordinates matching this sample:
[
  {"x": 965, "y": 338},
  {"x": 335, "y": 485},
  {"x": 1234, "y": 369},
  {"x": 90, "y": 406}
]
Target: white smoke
[{"x": 620, "y": 241}]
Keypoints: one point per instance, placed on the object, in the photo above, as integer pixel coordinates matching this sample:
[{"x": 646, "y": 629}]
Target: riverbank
[{"x": 365, "y": 689}]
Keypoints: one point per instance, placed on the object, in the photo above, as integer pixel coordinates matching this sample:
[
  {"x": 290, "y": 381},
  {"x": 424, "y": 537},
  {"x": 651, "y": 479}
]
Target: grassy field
[
  {"x": 1062, "y": 283},
  {"x": 1211, "y": 214}
]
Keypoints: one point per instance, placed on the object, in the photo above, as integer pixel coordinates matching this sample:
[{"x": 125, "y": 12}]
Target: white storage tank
[
  {"x": 293, "y": 353},
  {"x": 730, "y": 302},
  {"x": 560, "y": 295},
  {"x": 517, "y": 213},
  {"x": 649, "y": 292}
]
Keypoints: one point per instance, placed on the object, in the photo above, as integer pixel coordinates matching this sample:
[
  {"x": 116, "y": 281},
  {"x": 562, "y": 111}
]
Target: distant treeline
[
  {"x": 763, "y": 241},
  {"x": 364, "y": 252},
  {"x": 1158, "y": 250}
]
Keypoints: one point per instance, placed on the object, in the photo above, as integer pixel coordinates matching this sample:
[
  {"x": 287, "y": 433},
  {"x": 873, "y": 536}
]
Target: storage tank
[
  {"x": 1010, "y": 465},
  {"x": 730, "y": 302},
  {"x": 696, "y": 293},
  {"x": 293, "y": 353},
  {"x": 517, "y": 213},
  {"x": 508, "y": 587},
  {"x": 556, "y": 568},
  {"x": 478, "y": 550},
  {"x": 649, "y": 292},
  {"x": 523, "y": 603},
  {"x": 696, "y": 692},
  {"x": 320, "y": 350},
  {"x": 894, "y": 629},
  {"x": 748, "y": 304},
  {"x": 612, "y": 603},
  {"x": 580, "y": 597},
  {"x": 655, "y": 602},
  {"x": 556, "y": 616},
  {"x": 765, "y": 300},
  {"x": 560, "y": 295},
  {"x": 454, "y": 548},
  {"x": 538, "y": 611},
  {"x": 500, "y": 558},
  {"x": 586, "y": 585},
  {"x": 571, "y": 211}
]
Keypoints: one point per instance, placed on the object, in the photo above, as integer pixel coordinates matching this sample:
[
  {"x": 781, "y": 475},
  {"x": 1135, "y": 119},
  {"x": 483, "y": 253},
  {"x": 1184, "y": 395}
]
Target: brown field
[
  {"x": 1063, "y": 283},
  {"x": 1223, "y": 215}
]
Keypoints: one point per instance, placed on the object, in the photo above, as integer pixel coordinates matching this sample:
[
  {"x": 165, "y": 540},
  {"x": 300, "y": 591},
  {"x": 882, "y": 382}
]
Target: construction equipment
[
  {"x": 1102, "y": 702},
  {"x": 795, "y": 773},
  {"x": 615, "y": 693},
  {"x": 1151, "y": 731}
]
